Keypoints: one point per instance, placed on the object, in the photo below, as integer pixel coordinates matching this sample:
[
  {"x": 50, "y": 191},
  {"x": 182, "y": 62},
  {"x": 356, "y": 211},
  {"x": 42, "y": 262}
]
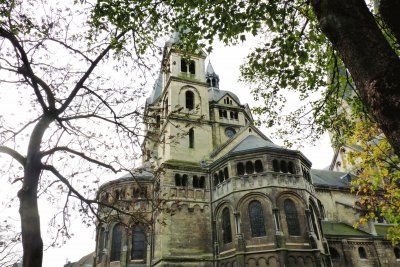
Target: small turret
[{"x": 211, "y": 77}]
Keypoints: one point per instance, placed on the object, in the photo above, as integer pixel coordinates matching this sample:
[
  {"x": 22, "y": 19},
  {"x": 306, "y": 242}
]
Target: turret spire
[{"x": 211, "y": 77}]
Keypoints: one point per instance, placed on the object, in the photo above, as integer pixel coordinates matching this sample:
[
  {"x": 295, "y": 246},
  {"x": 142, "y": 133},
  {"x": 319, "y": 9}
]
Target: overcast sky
[{"x": 226, "y": 62}]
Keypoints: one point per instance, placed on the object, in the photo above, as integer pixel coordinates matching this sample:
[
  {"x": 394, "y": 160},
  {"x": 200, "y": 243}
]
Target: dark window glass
[
  {"x": 192, "y": 67},
  {"x": 240, "y": 168},
  {"x": 216, "y": 181},
  {"x": 334, "y": 253},
  {"x": 202, "y": 183},
  {"x": 283, "y": 166},
  {"x": 362, "y": 253},
  {"x": 183, "y": 65},
  {"x": 225, "y": 114},
  {"x": 138, "y": 251},
  {"x": 221, "y": 176},
  {"x": 226, "y": 226},
  {"x": 115, "y": 253},
  {"x": 291, "y": 217},
  {"x": 189, "y": 96},
  {"x": 249, "y": 167},
  {"x": 256, "y": 219},
  {"x": 236, "y": 116},
  {"x": 195, "y": 181},
  {"x": 231, "y": 115},
  {"x": 397, "y": 252},
  {"x": 258, "y": 166},
  {"x": 226, "y": 173},
  {"x": 221, "y": 114},
  {"x": 191, "y": 138},
  {"x": 178, "y": 180},
  {"x": 275, "y": 165},
  {"x": 184, "y": 180},
  {"x": 291, "y": 167}
]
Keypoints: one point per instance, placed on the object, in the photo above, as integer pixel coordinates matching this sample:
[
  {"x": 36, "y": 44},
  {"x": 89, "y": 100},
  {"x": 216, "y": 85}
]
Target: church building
[{"x": 213, "y": 190}]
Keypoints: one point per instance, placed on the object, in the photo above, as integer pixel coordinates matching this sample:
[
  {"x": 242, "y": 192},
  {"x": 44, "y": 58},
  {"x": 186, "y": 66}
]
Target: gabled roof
[
  {"x": 342, "y": 229},
  {"x": 326, "y": 178}
]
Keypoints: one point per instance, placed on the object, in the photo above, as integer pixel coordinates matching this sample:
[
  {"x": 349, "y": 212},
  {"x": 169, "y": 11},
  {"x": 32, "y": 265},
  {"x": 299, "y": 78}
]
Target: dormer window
[{"x": 188, "y": 66}]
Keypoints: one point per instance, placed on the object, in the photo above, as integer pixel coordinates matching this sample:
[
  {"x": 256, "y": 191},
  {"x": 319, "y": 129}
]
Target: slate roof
[
  {"x": 157, "y": 90},
  {"x": 138, "y": 175},
  {"x": 252, "y": 142},
  {"x": 214, "y": 95},
  {"x": 326, "y": 178}
]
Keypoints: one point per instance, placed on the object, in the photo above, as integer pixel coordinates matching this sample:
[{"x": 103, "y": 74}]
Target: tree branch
[{"x": 14, "y": 154}]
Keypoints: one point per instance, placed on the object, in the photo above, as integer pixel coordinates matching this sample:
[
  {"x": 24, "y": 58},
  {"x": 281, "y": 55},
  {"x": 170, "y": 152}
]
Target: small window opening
[
  {"x": 158, "y": 121},
  {"x": 226, "y": 173},
  {"x": 240, "y": 168},
  {"x": 231, "y": 115},
  {"x": 275, "y": 165},
  {"x": 362, "y": 253},
  {"x": 178, "y": 180},
  {"x": 259, "y": 166},
  {"x": 195, "y": 181},
  {"x": 291, "y": 167},
  {"x": 236, "y": 114},
  {"x": 221, "y": 176},
  {"x": 283, "y": 166},
  {"x": 249, "y": 167},
  {"x": 184, "y": 180},
  {"x": 202, "y": 183},
  {"x": 192, "y": 67},
  {"x": 183, "y": 65},
  {"x": 216, "y": 180},
  {"x": 189, "y": 97},
  {"x": 397, "y": 253},
  {"x": 225, "y": 114},
  {"x": 191, "y": 138},
  {"x": 221, "y": 114}
]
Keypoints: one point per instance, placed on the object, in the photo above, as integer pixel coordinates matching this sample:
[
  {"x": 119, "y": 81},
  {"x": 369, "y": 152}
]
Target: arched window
[
  {"x": 231, "y": 115},
  {"x": 115, "y": 253},
  {"x": 189, "y": 97},
  {"x": 184, "y": 180},
  {"x": 362, "y": 253},
  {"x": 178, "y": 180},
  {"x": 226, "y": 226},
  {"x": 249, "y": 167},
  {"x": 226, "y": 173},
  {"x": 191, "y": 138},
  {"x": 216, "y": 179},
  {"x": 291, "y": 217},
  {"x": 240, "y": 168},
  {"x": 291, "y": 167},
  {"x": 397, "y": 253},
  {"x": 138, "y": 250},
  {"x": 202, "y": 183},
  {"x": 334, "y": 253},
  {"x": 283, "y": 166},
  {"x": 183, "y": 65},
  {"x": 275, "y": 165},
  {"x": 258, "y": 166},
  {"x": 221, "y": 176},
  {"x": 256, "y": 219},
  {"x": 195, "y": 181}
]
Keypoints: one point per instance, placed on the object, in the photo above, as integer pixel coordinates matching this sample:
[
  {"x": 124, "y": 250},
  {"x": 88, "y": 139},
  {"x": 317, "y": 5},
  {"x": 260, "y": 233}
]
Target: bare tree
[{"x": 59, "y": 71}]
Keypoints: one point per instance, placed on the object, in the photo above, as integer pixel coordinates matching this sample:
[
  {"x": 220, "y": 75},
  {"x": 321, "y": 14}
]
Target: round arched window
[{"x": 230, "y": 132}]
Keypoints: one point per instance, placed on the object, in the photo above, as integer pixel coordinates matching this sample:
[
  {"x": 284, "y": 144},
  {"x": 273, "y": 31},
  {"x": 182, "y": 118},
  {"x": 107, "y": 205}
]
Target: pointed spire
[{"x": 211, "y": 77}]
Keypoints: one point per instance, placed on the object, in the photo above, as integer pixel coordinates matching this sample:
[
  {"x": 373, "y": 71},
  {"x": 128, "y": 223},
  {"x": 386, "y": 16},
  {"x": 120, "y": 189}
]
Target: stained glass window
[
  {"x": 138, "y": 251},
  {"x": 226, "y": 226},
  {"x": 116, "y": 243},
  {"x": 291, "y": 217},
  {"x": 256, "y": 219}
]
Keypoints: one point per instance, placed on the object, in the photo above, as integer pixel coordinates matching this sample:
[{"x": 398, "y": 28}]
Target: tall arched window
[
  {"x": 291, "y": 167},
  {"x": 275, "y": 165},
  {"x": 191, "y": 138},
  {"x": 178, "y": 180},
  {"x": 189, "y": 97},
  {"x": 283, "y": 166},
  {"x": 138, "y": 250},
  {"x": 115, "y": 253},
  {"x": 249, "y": 167},
  {"x": 258, "y": 166},
  {"x": 256, "y": 219},
  {"x": 226, "y": 226},
  {"x": 362, "y": 253},
  {"x": 291, "y": 217},
  {"x": 240, "y": 168}
]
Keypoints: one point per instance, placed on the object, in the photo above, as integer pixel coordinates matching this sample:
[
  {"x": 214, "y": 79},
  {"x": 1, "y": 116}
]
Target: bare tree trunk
[
  {"x": 372, "y": 63},
  {"x": 30, "y": 220}
]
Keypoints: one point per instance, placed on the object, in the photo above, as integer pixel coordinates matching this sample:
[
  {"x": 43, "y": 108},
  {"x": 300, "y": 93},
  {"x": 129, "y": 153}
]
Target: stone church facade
[{"x": 229, "y": 196}]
